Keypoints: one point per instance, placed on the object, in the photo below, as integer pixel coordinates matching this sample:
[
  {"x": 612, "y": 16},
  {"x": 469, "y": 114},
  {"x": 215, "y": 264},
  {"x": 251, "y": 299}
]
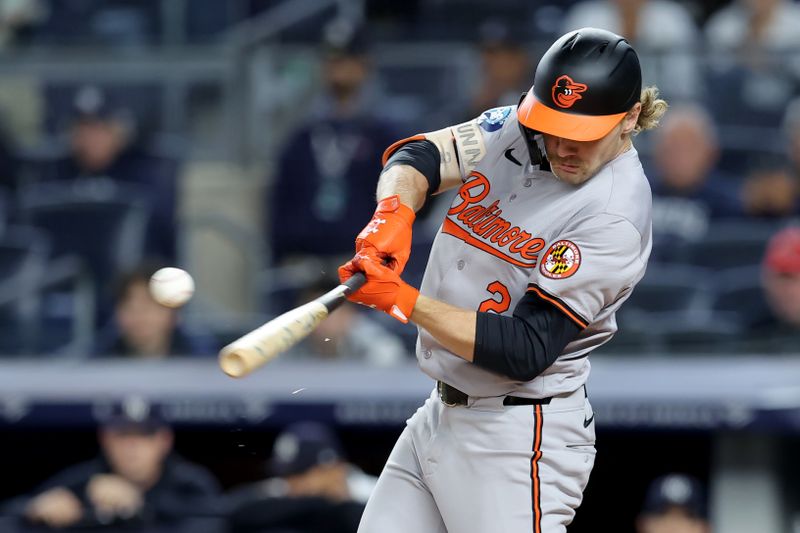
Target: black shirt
[{"x": 185, "y": 499}]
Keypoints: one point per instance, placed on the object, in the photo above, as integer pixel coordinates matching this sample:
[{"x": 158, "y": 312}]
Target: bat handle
[
  {"x": 355, "y": 282},
  {"x": 334, "y": 298}
]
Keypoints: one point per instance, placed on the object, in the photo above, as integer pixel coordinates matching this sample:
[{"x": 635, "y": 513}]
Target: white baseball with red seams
[{"x": 171, "y": 287}]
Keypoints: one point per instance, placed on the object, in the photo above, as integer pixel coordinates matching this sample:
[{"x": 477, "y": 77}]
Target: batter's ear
[{"x": 630, "y": 120}]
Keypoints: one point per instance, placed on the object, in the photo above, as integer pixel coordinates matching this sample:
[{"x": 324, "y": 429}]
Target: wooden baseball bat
[{"x": 263, "y": 344}]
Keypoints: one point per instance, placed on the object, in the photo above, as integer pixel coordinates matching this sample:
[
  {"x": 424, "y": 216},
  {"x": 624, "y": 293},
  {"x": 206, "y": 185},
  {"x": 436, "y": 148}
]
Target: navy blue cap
[
  {"x": 345, "y": 38},
  {"x": 134, "y": 414},
  {"x": 302, "y": 446},
  {"x": 676, "y": 490},
  {"x": 91, "y": 101}
]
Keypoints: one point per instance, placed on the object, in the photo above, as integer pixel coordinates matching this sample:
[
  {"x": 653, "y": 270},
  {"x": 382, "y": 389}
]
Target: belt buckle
[{"x": 440, "y": 387}]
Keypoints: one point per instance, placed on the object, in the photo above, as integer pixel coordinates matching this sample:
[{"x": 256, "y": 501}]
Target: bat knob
[{"x": 234, "y": 364}]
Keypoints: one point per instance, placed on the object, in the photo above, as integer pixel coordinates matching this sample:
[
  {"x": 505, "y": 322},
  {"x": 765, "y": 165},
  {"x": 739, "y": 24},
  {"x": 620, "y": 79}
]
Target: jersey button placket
[
  {"x": 427, "y": 354},
  {"x": 460, "y": 264}
]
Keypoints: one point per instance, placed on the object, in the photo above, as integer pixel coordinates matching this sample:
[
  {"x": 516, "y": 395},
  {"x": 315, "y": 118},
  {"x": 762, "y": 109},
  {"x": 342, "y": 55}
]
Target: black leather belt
[{"x": 452, "y": 397}]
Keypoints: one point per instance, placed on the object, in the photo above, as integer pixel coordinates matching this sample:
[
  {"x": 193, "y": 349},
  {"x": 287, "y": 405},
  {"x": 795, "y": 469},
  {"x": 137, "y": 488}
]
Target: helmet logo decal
[{"x": 566, "y": 92}]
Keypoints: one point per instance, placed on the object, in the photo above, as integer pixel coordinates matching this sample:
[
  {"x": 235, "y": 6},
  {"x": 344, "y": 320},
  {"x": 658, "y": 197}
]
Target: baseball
[{"x": 171, "y": 287}]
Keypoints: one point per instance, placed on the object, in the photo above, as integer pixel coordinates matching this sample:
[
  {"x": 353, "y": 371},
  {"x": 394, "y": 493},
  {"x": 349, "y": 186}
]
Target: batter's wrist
[
  {"x": 404, "y": 303},
  {"x": 392, "y": 204}
]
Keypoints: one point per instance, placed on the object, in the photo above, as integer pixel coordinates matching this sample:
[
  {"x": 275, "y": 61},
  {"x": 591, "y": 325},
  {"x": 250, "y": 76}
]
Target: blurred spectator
[
  {"x": 689, "y": 191},
  {"x": 791, "y": 134},
  {"x": 102, "y": 144},
  {"x": 144, "y": 328},
  {"x": 781, "y": 281},
  {"x": 18, "y": 18},
  {"x": 663, "y": 32},
  {"x": 771, "y": 191},
  {"x": 505, "y": 68},
  {"x": 325, "y": 180},
  {"x": 313, "y": 489},
  {"x": 754, "y": 50},
  {"x": 309, "y": 458},
  {"x": 137, "y": 483},
  {"x": 755, "y": 26},
  {"x": 349, "y": 334},
  {"x": 674, "y": 503}
]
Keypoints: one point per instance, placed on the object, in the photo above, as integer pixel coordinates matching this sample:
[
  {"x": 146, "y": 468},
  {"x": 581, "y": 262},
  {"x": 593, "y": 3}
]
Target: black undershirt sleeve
[
  {"x": 423, "y": 156},
  {"x": 522, "y": 346}
]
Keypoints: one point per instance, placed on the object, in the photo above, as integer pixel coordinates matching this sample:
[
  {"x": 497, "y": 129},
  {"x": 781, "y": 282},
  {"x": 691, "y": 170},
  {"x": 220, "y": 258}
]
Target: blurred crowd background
[{"x": 241, "y": 140}]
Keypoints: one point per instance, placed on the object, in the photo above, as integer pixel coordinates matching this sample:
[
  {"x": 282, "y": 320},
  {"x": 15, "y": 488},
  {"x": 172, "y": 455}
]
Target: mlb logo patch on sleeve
[{"x": 493, "y": 119}]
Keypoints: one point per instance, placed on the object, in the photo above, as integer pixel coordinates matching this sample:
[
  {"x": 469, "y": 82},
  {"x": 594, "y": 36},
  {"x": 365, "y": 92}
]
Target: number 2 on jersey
[{"x": 497, "y": 306}]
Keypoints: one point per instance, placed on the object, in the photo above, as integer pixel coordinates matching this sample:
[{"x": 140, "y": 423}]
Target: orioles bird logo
[{"x": 566, "y": 92}]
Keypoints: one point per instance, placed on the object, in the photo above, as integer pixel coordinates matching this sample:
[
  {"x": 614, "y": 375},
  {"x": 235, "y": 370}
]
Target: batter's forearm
[
  {"x": 453, "y": 327},
  {"x": 406, "y": 182}
]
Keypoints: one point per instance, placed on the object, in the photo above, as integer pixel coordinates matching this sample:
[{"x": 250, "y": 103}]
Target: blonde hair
[{"x": 653, "y": 108}]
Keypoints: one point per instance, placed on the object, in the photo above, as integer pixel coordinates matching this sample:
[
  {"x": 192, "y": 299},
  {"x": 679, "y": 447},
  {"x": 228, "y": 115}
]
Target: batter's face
[{"x": 576, "y": 161}]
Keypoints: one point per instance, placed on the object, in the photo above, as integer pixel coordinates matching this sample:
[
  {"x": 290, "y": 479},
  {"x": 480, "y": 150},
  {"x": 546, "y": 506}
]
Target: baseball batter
[{"x": 546, "y": 238}]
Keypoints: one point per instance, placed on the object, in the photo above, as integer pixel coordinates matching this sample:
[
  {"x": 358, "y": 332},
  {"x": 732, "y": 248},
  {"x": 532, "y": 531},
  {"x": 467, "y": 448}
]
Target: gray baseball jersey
[{"x": 512, "y": 229}]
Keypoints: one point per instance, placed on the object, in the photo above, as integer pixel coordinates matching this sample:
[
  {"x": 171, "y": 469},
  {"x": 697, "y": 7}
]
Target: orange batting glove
[
  {"x": 383, "y": 290},
  {"x": 387, "y": 237}
]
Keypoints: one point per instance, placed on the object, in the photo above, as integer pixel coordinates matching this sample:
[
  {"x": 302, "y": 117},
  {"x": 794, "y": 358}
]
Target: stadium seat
[
  {"x": 46, "y": 306},
  {"x": 630, "y": 341},
  {"x": 735, "y": 102},
  {"x": 675, "y": 332},
  {"x": 730, "y": 244},
  {"x": 671, "y": 289},
  {"x": 738, "y": 296},
  {"x": 23, "y": 258},
  {"x": 100, "y": 222},
  {"x": 712, "y": 337},
  {"x": 670, "y": 310},
  {"x": 4, "y": 210}
]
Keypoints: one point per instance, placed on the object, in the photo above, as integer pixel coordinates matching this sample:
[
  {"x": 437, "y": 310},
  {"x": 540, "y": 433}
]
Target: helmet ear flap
[{"x": 535, "y": 153}]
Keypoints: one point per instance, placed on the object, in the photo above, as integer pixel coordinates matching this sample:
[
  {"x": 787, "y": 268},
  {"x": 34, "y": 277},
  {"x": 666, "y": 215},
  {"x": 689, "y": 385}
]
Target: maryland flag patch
[{"x": 561, "y": 260}]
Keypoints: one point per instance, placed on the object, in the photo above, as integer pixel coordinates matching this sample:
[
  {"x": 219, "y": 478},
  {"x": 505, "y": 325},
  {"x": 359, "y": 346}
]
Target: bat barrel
[{"x": 262, "y": 345}]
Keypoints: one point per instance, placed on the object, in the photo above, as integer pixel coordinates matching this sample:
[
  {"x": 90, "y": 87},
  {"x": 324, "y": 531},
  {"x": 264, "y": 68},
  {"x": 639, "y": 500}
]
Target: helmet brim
[{"x": 533, "y": 114}]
